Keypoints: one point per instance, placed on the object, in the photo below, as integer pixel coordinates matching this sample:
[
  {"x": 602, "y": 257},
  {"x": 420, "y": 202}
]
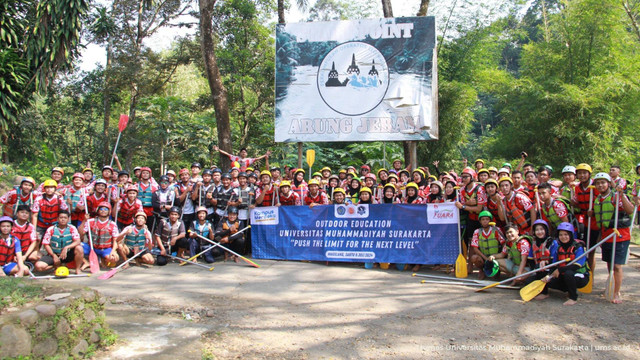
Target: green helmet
[
  {"x": 485, "y": 213},
  {"x": 491, "y": 268}
]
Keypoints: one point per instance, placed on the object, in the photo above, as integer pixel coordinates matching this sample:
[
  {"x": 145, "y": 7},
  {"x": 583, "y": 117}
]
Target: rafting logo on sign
[
  {"x": 265, "y": 216},
  {"x": 352, "y": 211},
  {"x": 441, "y": 214},
  {"x": 353, "y": 70}
]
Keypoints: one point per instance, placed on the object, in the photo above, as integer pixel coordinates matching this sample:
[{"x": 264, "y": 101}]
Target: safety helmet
[
  {"x": 365, "y": 166},
  {"x": 232, "y": 210},
  {"x": 491, "y": 268},
  {"x": 313, "y": 182},
  {"x": 87, "y": 169},
  {"x": 507, "y": 165},
  {"x": 469, "y": 171},
  {"x": 381, "y": 170},
  {"x": 365, "y": 189},
  {"x": 549, "y": 168},
  {"x": 301, "y": 170},
  {"x": 393, "y": 176},
  {"x": 132, "y": 188},
  {"x": 342, "y": 171},
  {"x": 317, "y": 173},
  {"x": 493, "y": 168},
  {"x": 503, "y": 170},
  {"x": 253, "y": 175},
  {"x": 196, "y": 164},
  {"x": 584, "y": 166},
  {"x": 483, "y": 170},
  {"x": 207, "y": 172},
  {"x": 217, "y": 170},
  {"x": 403, "y": 171},
  {"x": 397, "y": 160},
  {"x": 50, "y": 182},
  {"x": 100, "y": 181},
  {"x": 226, "y": 176},
  {"x": 419, "y": 171},
  {"x": 541, "y": 222},
  {"x": 249, "y": 169},
  {"x": 602, "y": 175},
  {"x": 371, "y": 176},
  {"x": 201, "y": 208},
  {"x": 78, "y": 175},
  {"x": 505, "y": 178},
  {"x": 411, "y": 185},
  {"x": 58, "y": 169},
  {"x": 164, "y": 178},
  {"x": 174, "y": 209},
  {"x": 105, "y": 204},
  {"x": 569, "y": 169},
  {"x": 565, "y": 226},
  {"x": 183, "y": 171},
  {"x": 265, "y": 172},
  {"x": 339, "y": 190},
  {"x": 438, "y": 184},
  {"x": 285, "y": 183},
  {"x": 29, "y": 180},
  {"x": 491, "y": 181},
  {"x": 145, "y": 168},
  {"x": 107, "y": 167},
  {"x": 141, "y": 213},
  {"x": 242, "y": 174},
  {"x": 6, "y": 219},
  {"x": 485, "y": 213},
  {"x": 62, "y": 271},
  {"x": 23, "y": 207},
  {"x": 326, "y": 168},
  {"x": 123, "y": 172},
  {"x": 171, "y": 172},
  {"x": 136, "y": 168},
  {"x": 390, "y": 186}
]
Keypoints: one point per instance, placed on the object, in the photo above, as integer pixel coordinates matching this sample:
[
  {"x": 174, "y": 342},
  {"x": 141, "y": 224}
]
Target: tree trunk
[
  {"x": 386, "y": 8},
  {"x": 424, "y": 7},
  {"x": 106, "y": 103},
  {"x": 280, "y": 11},
  {"x": 218, "y": 91}
]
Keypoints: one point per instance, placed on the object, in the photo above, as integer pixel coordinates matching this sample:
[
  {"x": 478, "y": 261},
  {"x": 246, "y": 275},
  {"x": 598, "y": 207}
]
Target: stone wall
[{"x": 64, "y": 325}]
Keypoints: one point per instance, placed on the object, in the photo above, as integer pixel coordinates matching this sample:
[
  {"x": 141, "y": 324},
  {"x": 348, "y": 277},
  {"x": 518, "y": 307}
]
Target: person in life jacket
[
  {"x": 170, "y": 236},
  {"x": 389, "y": 195},
  {"x": 201, "y": 226},
  {"x": 583, "y": 199},
  {"x": 486, "y": 241},
  {"x": 127, "y": 208},
  {"x": 145, "y": 194},
  {"x": 450, "y": 189},
  {"x": 604, "y": 208},
  {"x": 185, "y": 188},
  {"x": 566, "y": 278},
  {"x": 275, "y": 174},
  {"x": 107, "y": 174},
  {"x": 98, "y": 196},
  {"x": 104, "y": 234},
  {"x": 483, "y": 176},
  {"x": 172, "y": 178},
  {"x": 554, "y": 211},
  {"x": 135, "y": 238},
  {"x": 353, "y": 190},
  {"x": 267, "y": 193},
  {"x": 339, "y": 196},
  {"x": 62, "y": 245},
  {"x": 46, "y": 207},
  {"x": 436, "y": 195},
  {"x": 366, "y": 197},
  {"x": 24, "y": 231},
  {"x": 515, "y": 254},
  {"x": 234, "y": 172},
  {"x": 117, "y": 191},
  {"x": 227, "y": 234},
  {"x": 540, "y": 249},
  {"x": 544, "y": 177},
  {"x": 568, "y": 181},
  {"x": 21, "y": 195},
  {"x": 334, "y": 183},
  {"x": 370, "y": 181},
  {"x": 326, "y": 172},
  {"x": 315, "y": 196},
  {"x": 56, "y": 174},
  {"x": 74, "y": 197},
  {"x": 286, "y": 196},
  {"x": 515, "y": 208},
  {"x": 531, "y": 183},
  {"x": 204, "y": 191},
  {"x": 11, "y": 262},
  {"x": 164, "y": 198},
  {"x": 472, "y": 201},
  {"x": 616, "y": 180},
  {"x": 299, "y": 186},
  {"x": 518, "y": 184},
  {"x": 494, "y": 198},
  {"x": 224, "y": 197},
  {"x": 413, "y": 196}
]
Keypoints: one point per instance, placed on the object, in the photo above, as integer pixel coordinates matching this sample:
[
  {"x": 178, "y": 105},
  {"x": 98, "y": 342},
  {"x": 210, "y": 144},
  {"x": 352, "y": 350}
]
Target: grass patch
[{"x": 17, "y": 292}]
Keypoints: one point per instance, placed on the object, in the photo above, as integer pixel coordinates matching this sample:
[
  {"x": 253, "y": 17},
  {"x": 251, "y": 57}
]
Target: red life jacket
[
  {"x": 540, "y": 253},
  {"x": 93, "y": 203},
  {"x": 468, "y": 195},
  {"x": 127, "y": 211},
  {"x": 7, "y": 252},
  {"x": 317, "y": 199},
  {"x": 100, "y": 233},
  {"x": 49, "y": 210},
  {"x": 569, "y": 253},
  {"x": 23, "y": 233},
  {"x": 268, "y": 197},
  {"x": 14, "y": 200},
  {"x": 515, "y": 215},
  {"x": 288, "y": 201}
]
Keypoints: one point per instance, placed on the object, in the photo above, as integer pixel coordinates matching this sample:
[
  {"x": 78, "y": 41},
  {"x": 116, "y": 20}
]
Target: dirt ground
[{"x": 298, "y": 310}]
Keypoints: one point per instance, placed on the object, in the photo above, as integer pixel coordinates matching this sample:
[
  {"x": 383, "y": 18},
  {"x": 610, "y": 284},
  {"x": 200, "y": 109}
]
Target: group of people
[{"x": 513, "y": 219}]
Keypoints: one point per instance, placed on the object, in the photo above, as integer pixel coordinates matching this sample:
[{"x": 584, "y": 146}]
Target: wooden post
[{"x": 299, "y": 155}]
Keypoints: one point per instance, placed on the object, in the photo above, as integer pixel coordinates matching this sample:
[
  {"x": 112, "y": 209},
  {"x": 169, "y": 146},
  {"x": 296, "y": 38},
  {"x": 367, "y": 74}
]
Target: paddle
[
  {"x": 311, "y": 158},
  {"x": 122, "y": 124},
  {"x": 229, "y": 250},
  {"x": 522, "y": 275},
  {"x": 112, "y": 272},
  {"x": 633, "y": 220},
  {"x": 461, "y": 261},
  {"x": 589, "y": 287},
  {"x": 533, "y": 289},
  {"x": 204, "y": 251},
  {"x": 609, "y": 291},
  {"x": 464, "y": 283},
  {"x": 190, "y": 262},
  {"x": 94, "y": 263}
]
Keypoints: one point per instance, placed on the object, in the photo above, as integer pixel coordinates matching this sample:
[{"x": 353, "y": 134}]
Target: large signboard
[
  {"x": 360, "y": 80},
  {"x": 411, "y": 234}
]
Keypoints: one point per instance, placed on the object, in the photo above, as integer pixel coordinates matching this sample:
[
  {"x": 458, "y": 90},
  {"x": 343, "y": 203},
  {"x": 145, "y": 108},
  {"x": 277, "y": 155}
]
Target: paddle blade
[
  {"x": 609, "y": 289},
  {"x": 488, "y": 286},
  {"x": 461, "y": 267},
  {"x": 532, "y": 290},
  {"x": 250, "y": 262},
  {"x": 122, "y": 124},
  {"x": 589, "y": 287},
  {"x": 311, "y": 157},
  {"x": 108, "y": 274},
  {"x": 94, "y": 263}
]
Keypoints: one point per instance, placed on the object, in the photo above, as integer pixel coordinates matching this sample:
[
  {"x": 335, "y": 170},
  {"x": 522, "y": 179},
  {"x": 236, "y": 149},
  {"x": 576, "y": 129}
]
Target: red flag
[{"x": 124, "y": 120}]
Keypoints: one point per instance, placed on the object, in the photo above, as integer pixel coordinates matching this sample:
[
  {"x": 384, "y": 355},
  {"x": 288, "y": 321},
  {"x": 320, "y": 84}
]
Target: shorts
[
  {"x": 622, "y": 251},
  {"x": 513, "y": 268},
  {"x": 48, "y": 259},
  {"x": 100, "y": 252},
  {"x": 40, "y": 231},
  {"x": 8, "y": 267}
]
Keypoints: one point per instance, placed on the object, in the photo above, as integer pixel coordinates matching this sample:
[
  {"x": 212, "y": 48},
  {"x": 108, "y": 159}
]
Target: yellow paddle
[
  {"x": 461, "y": 261},
  {"x": 589, "y": 287},
  {"x": 311, "y": 158},
  {"x": 532, "y": 290}
]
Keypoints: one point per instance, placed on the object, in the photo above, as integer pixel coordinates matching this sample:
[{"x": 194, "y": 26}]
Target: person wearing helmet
[
  {"x": 135, "y": 238},
  {"x": 204, "y": 191},
  {"x": 172, "y": 178},
  {"x": 145, "y": 194},
  {"x": 419, "y": 178},
  {"x": 224, "y": 197},
  {"x": 531, "y": 183},
  {"x": 164, "y": 198},
  {"x": 185, "y": 188},
  {"x": 515, "y": 254},
  {"x": 24, "y": 231},
  {"x": 478, "y": 164},
  {"x": 339, "y": 196},
  {"x": 107, "y": 173},
  {"x": 353, "y": 190},
  {"x": 544, "y": 176},
  {"x": 127, "y": 208},
  {"x": 483, "y": 176},
  {"x": 494, "y": 198},
  {"x": 242, "y": 158},
  {"x": 56, "y": 174},
  {"x": 605, "y": 206},
  {"x": 201, "y": 226},
  {"x": 486, "y": 242},
  {"x": 195, "y": 170},
  {"x": 365, "y": 169},
  {"x": 104, "y": 234},
  {"x": 493, "y": 172},
  {"x": 98, "y": 196},
  {"x": 472, "y": 200},
  {"x": 397, "y": 165},
  {"x": 366, "y": 197},
  {"x": 515, "y": 208},
  {"x": 568, "y": 181},
  {"x": 267, "y": 192},
  {"x": 582, "y": 201},
  {"x": 540, "y": 245},
  {"x": 74, "y": 197},
  {"x": 314, "y": 196},
  {"x": 62, "y": 245},
  {"x": 370, "y": 181},
  {"x": 299, "y": 186},
  {"x": 216, "y": 177},
  {"x": 553, "y": 211},
  {"x": 116, "y": 191},
  {"x": 20, "y": 195},
  {"x": 326, "y": 172},
  {"x": 389, "y": 195},
  {"x": 227, "y": 234},
  {"x": 436, "y": 195},
  {"x": 334, "y": 183},
  {"x": 170, "y": 236},
  {"x": 450, "y": 190},
  {"x": 11, "y": 262},
  {"x": 316, "y": 175},
  {"x": 565, "y": 277},
  {"x": 275, "y": 175},
  {"x": 246, "y": 198},
  {"x": 46, "y": 207},
  {"x": 413, "y": 196},
  {"x": 286, "y": 196}
]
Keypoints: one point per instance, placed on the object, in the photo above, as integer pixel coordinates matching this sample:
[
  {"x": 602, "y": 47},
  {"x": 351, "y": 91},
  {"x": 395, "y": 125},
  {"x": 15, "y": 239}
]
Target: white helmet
[
  {"x": 569, "y": 169},
  {"x": 602, "y": 175}
]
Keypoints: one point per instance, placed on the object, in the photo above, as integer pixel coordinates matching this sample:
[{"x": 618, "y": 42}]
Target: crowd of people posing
[{"x": 515, "y": 219}]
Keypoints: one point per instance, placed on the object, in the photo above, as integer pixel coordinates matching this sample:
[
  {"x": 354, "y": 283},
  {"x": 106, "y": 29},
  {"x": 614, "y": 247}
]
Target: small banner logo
[
  {"x": 265, "y": 216},
  {"x": 352, "y": 211},
  {"x": 442, "y": 214}
]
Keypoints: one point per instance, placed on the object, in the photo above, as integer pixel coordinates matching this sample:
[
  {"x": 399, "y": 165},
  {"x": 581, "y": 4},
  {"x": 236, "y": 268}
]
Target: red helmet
[
  {"x": 370, "y": 176},
  {"x": 145, "y": 168},
  {"x": 183, "y": 171},
  {"x": 469, "y": 171},
  {"x": 78, "y": 175},
  {"x": 105, "y": 204}
]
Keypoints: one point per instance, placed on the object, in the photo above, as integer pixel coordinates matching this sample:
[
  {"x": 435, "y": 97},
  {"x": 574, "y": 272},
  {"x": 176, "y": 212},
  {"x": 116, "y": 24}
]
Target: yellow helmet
[
  {"x": 265, "y": 172},
  {"x": 339, "y": 190},
  {"x": 50, "y": 182},
  {"x": 413, "y": 185},
  {"x": 492, "y": 181},
  {"x": 584, "y": 166},
  {"x": 483, "y": 170},
  {"x": 493, "y": 168},
  {"x": 420, "y": 172},
  {"x": 365, "y": 189},
  {"x": 326, "y": 168},
  {"x": 479, "y": 161},
  {"x": 313, "y": 182},
  {"x": 505, "y": 178},
  {"x": 142, "y": 213},
  {"x": 62, "y": 271},
  {"x": 381, "y": 170},
  {"x": 285, "y": 183}
]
